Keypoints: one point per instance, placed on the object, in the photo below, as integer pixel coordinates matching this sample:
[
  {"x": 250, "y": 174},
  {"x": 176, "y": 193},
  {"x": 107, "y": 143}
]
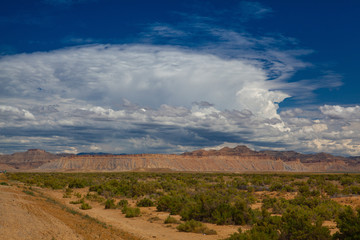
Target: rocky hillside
[
  {"x": 238, "y": 159},
  {"x": 30, "y": 159}
]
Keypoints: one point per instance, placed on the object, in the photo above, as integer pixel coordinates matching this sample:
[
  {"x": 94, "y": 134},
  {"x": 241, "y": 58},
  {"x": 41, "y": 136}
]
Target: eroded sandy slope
[{"x": 23, "y": 216}]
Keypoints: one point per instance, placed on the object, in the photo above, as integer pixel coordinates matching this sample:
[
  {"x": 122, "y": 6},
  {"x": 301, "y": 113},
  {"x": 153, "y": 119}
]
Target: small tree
[
  {"x": 297, "y": 225},
  {"x": 110, "y": 204},
  {"x": 145, "y": 202},
  {"x": 348, "y": 223}
]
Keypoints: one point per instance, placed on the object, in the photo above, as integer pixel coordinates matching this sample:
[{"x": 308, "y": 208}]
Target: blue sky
[{"x": 174, "y": 76}]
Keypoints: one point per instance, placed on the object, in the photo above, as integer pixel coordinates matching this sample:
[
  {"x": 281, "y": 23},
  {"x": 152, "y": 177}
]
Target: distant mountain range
[{"x": 238, "y": 159}]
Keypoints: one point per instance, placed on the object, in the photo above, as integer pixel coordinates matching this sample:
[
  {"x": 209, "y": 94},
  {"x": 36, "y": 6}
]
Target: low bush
[
  {"x": 348, "y": 224},
  {"x": 94, "y": 197},
  {"x": 131, "y": 212},
  {"x": 110, "y": 204},
  {"x": 66, "y": 195},
  {"x": 78, "y": 195},
  {"x": 170, "y": 219},
  {"x": 77, "y": 183},
  {"x": 297, "y": 224},
  {"x": 195, "y": 227},
  {"x": 171, "y": 203},
  {"x": 85, "y": 206},
  {"x": 145, "y": 202},
  {"x": 123, "y": 203},
  {"x": 78, "y": 201},
  {"x": 68, "y": 191}
]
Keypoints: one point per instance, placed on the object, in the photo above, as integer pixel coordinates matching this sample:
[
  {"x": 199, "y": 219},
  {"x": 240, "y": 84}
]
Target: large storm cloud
[{"x": 143, "y": 98}]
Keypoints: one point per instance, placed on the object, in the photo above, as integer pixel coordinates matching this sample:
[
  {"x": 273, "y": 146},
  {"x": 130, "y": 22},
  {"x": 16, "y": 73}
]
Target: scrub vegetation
[{"x": 290, "y": 206}]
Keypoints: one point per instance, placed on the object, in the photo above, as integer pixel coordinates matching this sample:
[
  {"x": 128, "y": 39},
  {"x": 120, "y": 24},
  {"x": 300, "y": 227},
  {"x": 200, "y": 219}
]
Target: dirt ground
[
  {"x": 27, "y": 216},
  {"x": 33, "y": 214},
  {"x": 353, "y": 201}
]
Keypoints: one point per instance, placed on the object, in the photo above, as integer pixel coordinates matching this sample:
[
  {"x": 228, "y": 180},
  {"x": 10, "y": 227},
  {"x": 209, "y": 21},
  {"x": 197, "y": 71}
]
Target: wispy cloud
[
  {"x": 79, "y": 40},
  {"x": 252, "y": 10}
]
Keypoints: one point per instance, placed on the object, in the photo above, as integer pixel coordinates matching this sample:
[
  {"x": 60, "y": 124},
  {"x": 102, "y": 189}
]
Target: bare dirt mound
[{"x": 23, "y": 216}]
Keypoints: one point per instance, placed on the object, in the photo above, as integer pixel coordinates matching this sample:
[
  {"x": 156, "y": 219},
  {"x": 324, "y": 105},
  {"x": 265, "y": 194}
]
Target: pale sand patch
[{"x": 21, "y": 218}]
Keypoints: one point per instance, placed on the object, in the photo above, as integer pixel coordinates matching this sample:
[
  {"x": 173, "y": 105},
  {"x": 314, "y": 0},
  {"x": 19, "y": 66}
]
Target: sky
[{"x": 174, "y": 76}]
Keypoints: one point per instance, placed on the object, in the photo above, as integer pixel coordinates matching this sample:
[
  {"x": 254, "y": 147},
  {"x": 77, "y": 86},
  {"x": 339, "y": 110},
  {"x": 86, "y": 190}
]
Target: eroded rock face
[
  {"x": 238, "y": 159},
  {"x": 30, "y": 159}
]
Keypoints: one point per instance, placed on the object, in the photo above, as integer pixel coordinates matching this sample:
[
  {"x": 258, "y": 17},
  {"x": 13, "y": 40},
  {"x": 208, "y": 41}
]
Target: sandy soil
[
  {"x": 353, "y": 201},
  {"x": 23, "y": 216}
]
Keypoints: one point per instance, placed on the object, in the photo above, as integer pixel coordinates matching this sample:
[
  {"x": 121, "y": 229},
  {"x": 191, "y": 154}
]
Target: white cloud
[
  {"x": 71, "y": 150},
  {"x": 160, "y": 99},
  {"x": 337, "y": 111},
  {"x": 260, "y": 101},
  {"x": 145, "y": 75},
  {"x": 14, "y": 113}
]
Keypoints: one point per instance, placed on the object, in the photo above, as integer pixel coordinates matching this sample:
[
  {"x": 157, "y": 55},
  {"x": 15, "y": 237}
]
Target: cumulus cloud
[
  {"x": 141, "y": 98},
  {"x": 145, "y": 75},
  {"x": 8, "y": 113},
  {"x": 340, "y": 112}
]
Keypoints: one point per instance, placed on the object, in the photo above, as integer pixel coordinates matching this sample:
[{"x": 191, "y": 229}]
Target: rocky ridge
[
  {"x": 238, "y": 159},
  {"x": 30, "y": 159}
]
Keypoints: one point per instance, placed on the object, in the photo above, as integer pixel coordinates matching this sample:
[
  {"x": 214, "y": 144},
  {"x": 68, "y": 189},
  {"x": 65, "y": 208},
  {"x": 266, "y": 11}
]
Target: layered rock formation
[
  {"x": 30, "y": 159},
  {"x": 238, "y": 159}
]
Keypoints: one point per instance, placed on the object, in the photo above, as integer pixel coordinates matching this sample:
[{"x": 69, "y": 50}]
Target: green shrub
[
  {"x": 348, "y": 224},
  {"x": 77, "y": 183},
  {"x": 94, "y": 197},
  {"x": 68, "y": 191},
  {"x": 110, "y": 204},
  {"x": 66, "y": 195},
  {"x": 297, "y": 225},
  {"x": 54, "y": 183},
  {"x": 78, "y": 195},
  {"x": 131, "y": 212},
  {"x": 171, "y": 203},
  {"x": 170, "y": 219},
  {"x": 223, "y": 214},
  {"x": 266, "y": 228},
  {"x": 346, "y": 180},
  {"x": 4, "y": 183},
  {"x": 85, "y": 206},
  {"x": 331, "y": 189},
  {"x": 78, "y": 201},
  {"x": 123, "y": 203},
  {"x": 145, "y": 202},
  {"x": 355, "y": 189},
  {"x": 195, "y": 227},
  {"x": 254, "y": 234},
  {"x": 276, "y": 186}
]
